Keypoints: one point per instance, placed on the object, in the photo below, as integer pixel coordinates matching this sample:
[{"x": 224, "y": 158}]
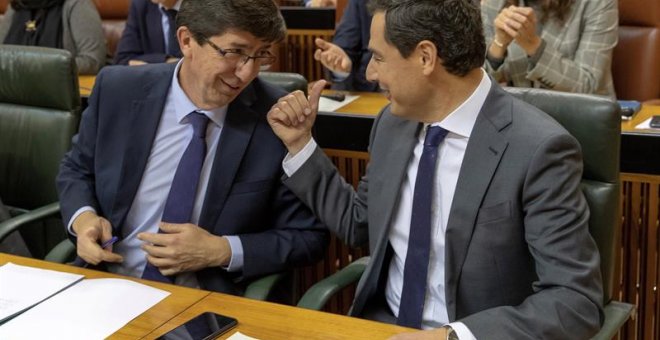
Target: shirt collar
[
  {"x": 176, "y": 6},
  {"x": 462, "y": 119},
  {"x": 183, "y": 105}
]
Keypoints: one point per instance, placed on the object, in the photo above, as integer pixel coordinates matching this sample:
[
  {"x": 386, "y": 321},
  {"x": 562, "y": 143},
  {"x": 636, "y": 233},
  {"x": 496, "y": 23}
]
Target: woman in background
[
  {"x": 73, "y": 25},
  {"x": 563, "y": 45}
]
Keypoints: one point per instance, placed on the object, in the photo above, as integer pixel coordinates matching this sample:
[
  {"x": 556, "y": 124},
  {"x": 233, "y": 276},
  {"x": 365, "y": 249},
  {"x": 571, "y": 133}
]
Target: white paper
[
  {"x": 645, "y": 125},
  {"x": 91, "y": 309},
  {"x": 240, "y": 336},
  {"x": 329, "y": 105},
  {"x": 22, "y": 287}
]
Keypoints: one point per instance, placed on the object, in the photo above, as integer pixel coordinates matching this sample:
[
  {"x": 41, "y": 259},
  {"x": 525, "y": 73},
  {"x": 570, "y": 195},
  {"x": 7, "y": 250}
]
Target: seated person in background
[
  {"x": 471, "y": 204},
  {"x": 321, "y": 3},
  {"x": 178, "y": 161},
  {"x": 73, "y": 25},
  {"x": 348, "y": 55},
  {"x": 150, "y": 33},
  {"x": 563, "y": 45}
]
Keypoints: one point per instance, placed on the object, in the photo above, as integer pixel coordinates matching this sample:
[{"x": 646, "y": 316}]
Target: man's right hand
[
  {"x": 92, "y": 230},
  {"x": 292, "y": 117},
  {"x": 332, "y": 56}
]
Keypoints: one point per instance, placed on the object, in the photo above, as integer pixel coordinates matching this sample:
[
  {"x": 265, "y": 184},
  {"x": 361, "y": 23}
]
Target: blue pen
[{"x": 79, "y": 262}]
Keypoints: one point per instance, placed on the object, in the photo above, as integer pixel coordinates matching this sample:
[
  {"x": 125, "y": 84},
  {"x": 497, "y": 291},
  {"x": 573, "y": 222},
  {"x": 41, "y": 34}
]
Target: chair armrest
[
  {"x": 12, "y": 224},
  {"x": 261, "y": 288},
  {"x": 62, "y": 252},
  {"x": 318, "y": 295},
  {"x": 616, "y": 314}
]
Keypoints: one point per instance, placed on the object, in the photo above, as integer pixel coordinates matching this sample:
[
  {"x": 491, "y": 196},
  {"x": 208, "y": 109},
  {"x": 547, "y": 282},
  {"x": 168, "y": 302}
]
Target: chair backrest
[
  {"x": 39, "y": 114},
  {"x": 596, "y": 123},
  {"x": 288, "y": 81},
  {"x": 636, "y": 60}
]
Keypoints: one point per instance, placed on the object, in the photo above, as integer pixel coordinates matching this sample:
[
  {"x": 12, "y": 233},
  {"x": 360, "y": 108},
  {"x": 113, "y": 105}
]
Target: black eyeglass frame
[{"x": 267, "y": 60}]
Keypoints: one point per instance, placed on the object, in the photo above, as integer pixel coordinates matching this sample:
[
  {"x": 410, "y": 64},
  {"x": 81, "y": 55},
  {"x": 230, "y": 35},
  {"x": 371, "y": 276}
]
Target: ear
[
  {"x": 428, "y": 56},
  {"x": 185, "y": 38}
]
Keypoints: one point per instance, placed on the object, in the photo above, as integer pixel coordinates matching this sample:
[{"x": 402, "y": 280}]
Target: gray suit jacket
[{"x": 520, "y": 263}]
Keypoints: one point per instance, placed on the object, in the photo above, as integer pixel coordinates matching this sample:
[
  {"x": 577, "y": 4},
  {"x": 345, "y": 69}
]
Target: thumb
[
  {"x": 315, "y": 95},
  {"x": 322, "y": 44}
]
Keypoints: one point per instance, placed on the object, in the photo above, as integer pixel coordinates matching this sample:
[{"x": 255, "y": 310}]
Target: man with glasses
[{"x": 179, "y": 163}]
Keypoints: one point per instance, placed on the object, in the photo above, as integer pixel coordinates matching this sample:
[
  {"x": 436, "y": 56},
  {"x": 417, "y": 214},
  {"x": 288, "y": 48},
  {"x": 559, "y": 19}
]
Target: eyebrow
[{"x": 374, "y": 51}]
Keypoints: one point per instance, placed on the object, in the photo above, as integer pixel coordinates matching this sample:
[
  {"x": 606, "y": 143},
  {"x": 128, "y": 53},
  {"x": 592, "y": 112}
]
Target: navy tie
[
  {"x": 173, "y": 49},
  {"x": 416, "y": 267},
  {"x": 180, "y": 201}
]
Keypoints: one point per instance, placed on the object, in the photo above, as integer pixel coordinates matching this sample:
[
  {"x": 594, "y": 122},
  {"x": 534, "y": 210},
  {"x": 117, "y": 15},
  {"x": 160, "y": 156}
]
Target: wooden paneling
[{"x": 296, "y": 53}]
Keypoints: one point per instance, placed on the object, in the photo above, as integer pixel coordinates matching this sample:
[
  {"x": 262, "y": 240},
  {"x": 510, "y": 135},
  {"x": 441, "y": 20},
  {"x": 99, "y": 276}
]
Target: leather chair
[
  {"x": 595, "y": 122},
  {"x": 39, "y": 114},
  {"x": 636, "y": 60},
  {"x": 113, "y": 19},
  {"x": 286, "y": 80}
]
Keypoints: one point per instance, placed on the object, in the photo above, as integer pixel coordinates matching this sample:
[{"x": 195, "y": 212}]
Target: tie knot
[
  {"x": 171, "y": 13},
  {"x": 434, "y": 136},
  {"x": 199, "y": 121}
]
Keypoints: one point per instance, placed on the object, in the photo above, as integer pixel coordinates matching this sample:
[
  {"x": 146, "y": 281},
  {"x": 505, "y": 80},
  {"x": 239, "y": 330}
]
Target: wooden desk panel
[
  {"x": 180, "y": 298},
  {"x": 265, "y": 320}
]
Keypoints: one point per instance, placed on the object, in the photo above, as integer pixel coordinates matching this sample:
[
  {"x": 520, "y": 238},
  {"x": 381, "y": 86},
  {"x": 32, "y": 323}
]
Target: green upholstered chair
[
  {"x": 39, "y": 114},
  {"x": 596, "y": 123},
  {"x": 286, "y": 80},
  {"x": 261, "y": 289}
]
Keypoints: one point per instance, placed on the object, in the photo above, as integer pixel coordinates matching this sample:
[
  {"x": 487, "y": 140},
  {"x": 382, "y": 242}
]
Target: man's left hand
[
  {"x": 433, "y": 334},
  {"x": 184, "y": 248}
]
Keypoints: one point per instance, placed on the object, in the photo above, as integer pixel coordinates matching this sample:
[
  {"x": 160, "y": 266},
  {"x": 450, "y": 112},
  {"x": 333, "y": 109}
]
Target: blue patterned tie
[
  {"x": 180, "y": 201},
  {"x": 411, "y": 309},
  {"x": 173, "y": 49}
]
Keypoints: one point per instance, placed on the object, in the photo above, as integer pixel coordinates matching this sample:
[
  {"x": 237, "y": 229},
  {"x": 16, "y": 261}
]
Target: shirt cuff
[
  {"x": 291, "y": 164},
  {"x": 338, "y": 77},
  {"x": 236, "y": 261},
  {"x": 462, "y": 331},
  {"x": 69, "y": 227}
]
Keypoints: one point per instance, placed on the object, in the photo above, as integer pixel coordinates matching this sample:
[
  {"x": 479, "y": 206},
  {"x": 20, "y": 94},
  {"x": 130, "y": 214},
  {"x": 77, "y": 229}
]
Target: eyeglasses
[{"x": 264, "y": 60}]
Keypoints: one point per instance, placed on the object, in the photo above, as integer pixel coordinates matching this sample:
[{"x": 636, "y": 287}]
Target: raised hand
[
  {"x": 292, "y": 117},
  {"x": 332, "y": 56}
]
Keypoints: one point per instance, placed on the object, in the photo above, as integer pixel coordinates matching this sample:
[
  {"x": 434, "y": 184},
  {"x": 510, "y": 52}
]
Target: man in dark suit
[
  {"x": 159, "y": 142},
  {"x": 149, "y": 35},
  {"x": 347, "y": 56},
  {"x": 471, "y": 203}
]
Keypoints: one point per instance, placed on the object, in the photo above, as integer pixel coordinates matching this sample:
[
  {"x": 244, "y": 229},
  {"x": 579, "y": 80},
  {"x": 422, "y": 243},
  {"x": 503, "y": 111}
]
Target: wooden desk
[
  {"x": 86, "y": 83},
  {"x": 265, "y": 320},
  {"x": 180, "y": 298}
]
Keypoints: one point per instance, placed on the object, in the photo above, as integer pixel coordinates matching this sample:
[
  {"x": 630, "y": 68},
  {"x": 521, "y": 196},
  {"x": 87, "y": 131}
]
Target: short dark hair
[
  {"x": 454, "y": 26},
  {"x": 208, "y": 18}
]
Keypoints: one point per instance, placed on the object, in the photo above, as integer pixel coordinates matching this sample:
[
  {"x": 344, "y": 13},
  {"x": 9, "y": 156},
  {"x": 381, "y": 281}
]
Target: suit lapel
[
  {"x": 483, "y": 154},
  {"x": 144, "y": 118},
  {"x": 236, "y": 133}
]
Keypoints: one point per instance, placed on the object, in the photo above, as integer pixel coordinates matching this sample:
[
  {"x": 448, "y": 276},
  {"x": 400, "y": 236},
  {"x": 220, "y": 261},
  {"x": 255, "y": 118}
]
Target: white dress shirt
[
  {"x": 172, "y": 137},
  {"x": 459, "y": 123}
]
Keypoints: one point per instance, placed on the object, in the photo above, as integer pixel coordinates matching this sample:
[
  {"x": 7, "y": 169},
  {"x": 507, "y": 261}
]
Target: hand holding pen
[
  {"x": 79, "y": 262},
  {"x": 90, "y": 230}
]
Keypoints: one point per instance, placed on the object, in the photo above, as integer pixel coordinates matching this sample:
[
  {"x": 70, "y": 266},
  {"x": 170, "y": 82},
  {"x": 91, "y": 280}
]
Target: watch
[{"x": 451, "y": 334}]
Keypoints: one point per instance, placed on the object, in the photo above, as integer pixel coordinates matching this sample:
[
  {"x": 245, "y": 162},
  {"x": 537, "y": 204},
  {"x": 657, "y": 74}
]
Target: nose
[
  {"x": 245, "y": 71},
  {"x": 371, "y": 73}
]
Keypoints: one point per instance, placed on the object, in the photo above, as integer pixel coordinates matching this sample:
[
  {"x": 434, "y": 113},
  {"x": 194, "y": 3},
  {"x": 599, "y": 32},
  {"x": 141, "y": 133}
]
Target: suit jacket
[
  {"x": 244, "y": 197},
  {"x": 142, "y": 38},
  {"x": 578, "y": 53},
  {"x": 352, "y": 35},
  {"x": 519, "y": 260}
]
